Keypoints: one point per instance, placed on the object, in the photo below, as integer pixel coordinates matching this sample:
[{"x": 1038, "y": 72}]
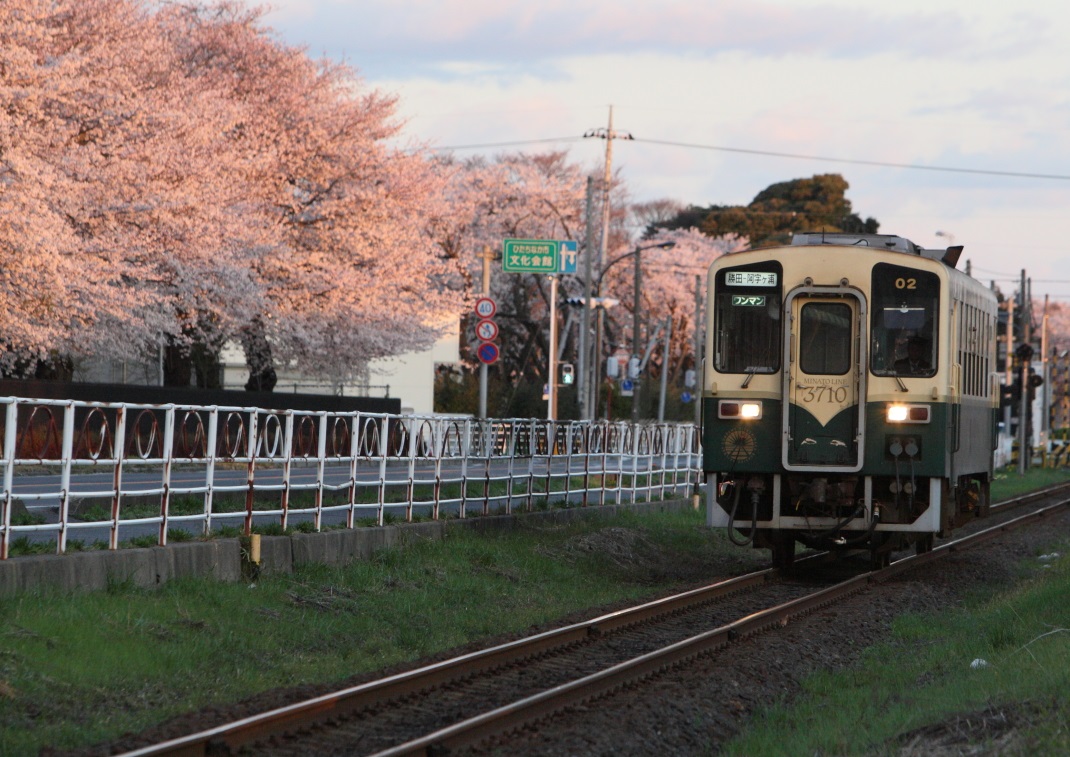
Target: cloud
[{"x": 399, "y": 38}]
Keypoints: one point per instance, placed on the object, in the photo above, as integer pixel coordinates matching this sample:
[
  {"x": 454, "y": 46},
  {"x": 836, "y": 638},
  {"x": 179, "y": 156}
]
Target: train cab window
[
  {"x": 747, "y": 302},
  {"x": 905, "y": 308},
  {"x": 825, "y": 338}
]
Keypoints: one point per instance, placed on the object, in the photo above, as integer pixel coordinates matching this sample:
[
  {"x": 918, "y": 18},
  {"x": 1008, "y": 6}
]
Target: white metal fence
[{"x": 105, "y": 472}]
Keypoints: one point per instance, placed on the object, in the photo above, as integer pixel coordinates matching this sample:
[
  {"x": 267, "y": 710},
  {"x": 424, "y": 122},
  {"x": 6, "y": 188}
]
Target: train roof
[{"x": 949, "y": 256}]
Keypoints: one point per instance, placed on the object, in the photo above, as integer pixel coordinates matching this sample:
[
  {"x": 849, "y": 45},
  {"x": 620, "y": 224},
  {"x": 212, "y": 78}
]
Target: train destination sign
[{"x": 750, "y": 279}]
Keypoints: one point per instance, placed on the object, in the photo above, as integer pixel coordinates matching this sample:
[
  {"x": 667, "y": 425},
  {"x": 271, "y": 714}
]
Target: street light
[{"x": 637, "y": 254}]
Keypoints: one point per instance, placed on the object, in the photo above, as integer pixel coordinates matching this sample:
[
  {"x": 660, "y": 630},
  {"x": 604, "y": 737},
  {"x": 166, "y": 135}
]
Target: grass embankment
[
  {"x": 992, "y": 677},
  {"x": 83, "y": 668},
  {"x": 79, "y": 669}
]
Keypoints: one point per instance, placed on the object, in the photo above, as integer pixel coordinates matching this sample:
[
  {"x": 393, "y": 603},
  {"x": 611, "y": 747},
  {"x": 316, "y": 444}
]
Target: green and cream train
[{"x": 850, "y": 395}]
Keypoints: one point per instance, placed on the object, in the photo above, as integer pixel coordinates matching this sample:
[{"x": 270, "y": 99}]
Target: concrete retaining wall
[{"x": 222, "y": 558}]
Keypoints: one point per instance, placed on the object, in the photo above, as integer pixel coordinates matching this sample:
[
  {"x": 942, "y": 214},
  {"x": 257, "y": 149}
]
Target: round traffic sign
[
  {"x": 486, "y": 307},
  {"x": 487, "y": 352},
  {"x": 487, "y": 330}
]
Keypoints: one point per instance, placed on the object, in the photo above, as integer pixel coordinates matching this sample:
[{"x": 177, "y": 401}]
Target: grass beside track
[
  {"x": 997, "y": 669},
  {"x": 78, "y": 669}
]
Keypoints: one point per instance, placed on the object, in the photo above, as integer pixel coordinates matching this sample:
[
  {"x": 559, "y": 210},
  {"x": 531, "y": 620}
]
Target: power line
[
  {"x": 882, "y": 164},
  {"x": 506, "y": 144},
  {"x": 777, "y": 154}
]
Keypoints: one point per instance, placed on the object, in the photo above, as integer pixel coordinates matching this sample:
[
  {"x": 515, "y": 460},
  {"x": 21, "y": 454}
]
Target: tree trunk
[
  {"x": 206, "y": 366},
  {"x": 258, "y": 359},
  {"x": 177, "y": 365}
]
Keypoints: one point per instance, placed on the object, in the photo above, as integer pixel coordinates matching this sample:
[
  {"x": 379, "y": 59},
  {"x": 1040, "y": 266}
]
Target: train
[{"x": 850, "y": 395}]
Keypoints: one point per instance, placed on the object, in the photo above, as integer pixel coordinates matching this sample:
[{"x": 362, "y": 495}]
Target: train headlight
[
  {"x": 739, "y": 409},
  {"x": 909, "y": 413}
]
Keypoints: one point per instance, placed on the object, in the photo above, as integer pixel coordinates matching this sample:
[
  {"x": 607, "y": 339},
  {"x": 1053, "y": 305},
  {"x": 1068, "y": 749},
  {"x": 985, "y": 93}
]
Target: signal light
[{"x": 568, "y": 375}]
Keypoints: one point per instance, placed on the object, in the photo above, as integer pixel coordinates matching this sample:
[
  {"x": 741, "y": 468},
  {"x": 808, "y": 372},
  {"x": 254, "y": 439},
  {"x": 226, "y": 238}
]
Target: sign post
[{"x": 487, "y": 331}]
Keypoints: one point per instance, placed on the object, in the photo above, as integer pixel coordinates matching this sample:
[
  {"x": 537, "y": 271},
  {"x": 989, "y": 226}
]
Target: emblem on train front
[{"x": 739, "y": 445}]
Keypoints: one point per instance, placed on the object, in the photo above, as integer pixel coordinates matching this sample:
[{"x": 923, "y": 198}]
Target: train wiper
[
  {"x": 902, "y": 386},
  {"x": 750, "y": 374}
]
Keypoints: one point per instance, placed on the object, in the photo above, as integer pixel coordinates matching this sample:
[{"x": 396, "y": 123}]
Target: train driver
[{"x": 916, "y": 362}]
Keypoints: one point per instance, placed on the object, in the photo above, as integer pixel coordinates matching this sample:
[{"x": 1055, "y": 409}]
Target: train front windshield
[
  {"x": 904, "y": 312},
  {"x": 747, "y": 304}
]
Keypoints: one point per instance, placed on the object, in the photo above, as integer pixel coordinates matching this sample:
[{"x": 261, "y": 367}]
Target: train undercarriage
[{"x": 845, "y": 513}]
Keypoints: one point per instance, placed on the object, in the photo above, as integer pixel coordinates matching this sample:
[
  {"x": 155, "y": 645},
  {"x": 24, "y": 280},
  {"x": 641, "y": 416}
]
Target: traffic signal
[{"x": 568, "y": 374}]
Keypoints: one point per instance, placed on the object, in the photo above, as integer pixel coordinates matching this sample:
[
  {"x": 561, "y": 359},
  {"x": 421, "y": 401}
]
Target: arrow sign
[
  {"x": 487, "y": 330},
  {"x": 568, "y": 256}
]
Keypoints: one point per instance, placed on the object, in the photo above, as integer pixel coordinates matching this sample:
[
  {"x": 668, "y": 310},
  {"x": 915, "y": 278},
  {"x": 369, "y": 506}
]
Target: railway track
[{"x": 469, "y": 699}]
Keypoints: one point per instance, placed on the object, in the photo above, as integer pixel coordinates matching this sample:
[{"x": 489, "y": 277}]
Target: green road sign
[{"x": 530, "y": 255}]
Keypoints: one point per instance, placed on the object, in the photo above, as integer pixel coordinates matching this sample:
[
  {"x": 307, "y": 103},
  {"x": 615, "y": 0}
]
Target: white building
[{"x": 409, "y": 377}]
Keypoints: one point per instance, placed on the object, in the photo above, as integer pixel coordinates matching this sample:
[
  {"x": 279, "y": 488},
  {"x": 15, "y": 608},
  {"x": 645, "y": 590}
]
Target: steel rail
[
  {"x": 281, "y": 720},
  {"x": 539, "y": 706},
  {"x": 233, "y": 736}
]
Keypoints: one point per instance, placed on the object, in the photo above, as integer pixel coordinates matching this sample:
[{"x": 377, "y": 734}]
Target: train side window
[{"x": 904, "y": 312}]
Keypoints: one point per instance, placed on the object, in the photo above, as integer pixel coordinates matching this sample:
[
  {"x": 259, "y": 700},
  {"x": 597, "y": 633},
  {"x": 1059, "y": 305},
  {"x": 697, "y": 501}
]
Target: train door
[{"x": 824, "y": 385}]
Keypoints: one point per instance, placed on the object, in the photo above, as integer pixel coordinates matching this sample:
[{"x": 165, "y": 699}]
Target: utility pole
[
  {"x": 1024, "y": 448},
  {"x": 699, "y": 367},
  {"x": 551, "y": 360},
  {"x": 1045, "y": 388},
  {"x": 665, "y": 369},
  {"x": 583, "y": 385},
  {"x": 636, "y": 346},
  {"x": 608, "y": 135}
]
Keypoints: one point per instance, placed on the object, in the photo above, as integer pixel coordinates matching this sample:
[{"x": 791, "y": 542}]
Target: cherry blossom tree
[
  {"x": 349, "y": 272},
  {"x": 520, "y": 196},
  {"x": 177, "y": 177},
  {"x": 668, "y": 289},
  {"x": 64, "y": 288}
]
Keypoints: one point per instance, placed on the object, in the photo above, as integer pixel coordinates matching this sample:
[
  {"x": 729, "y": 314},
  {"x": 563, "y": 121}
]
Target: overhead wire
[
  {"x": 880, "y": 163},
  {"x": 778, "y": 154}
]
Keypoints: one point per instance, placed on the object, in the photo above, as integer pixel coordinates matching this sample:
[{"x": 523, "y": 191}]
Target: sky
[{"x": 720, "y": 97}]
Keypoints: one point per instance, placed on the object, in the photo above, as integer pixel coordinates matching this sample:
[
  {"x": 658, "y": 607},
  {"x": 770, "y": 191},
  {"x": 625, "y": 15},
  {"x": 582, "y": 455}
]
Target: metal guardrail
[{"x": 246, "y": 464}]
